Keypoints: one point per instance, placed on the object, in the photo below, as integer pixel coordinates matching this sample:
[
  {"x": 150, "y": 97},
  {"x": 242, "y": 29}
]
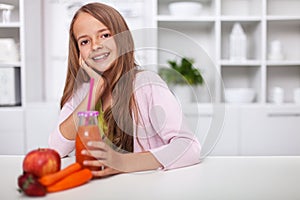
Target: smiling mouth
[{"x": 100, "y": 57}]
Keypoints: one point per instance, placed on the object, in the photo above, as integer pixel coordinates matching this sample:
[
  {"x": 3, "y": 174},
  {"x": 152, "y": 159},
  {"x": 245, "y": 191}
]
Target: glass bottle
[{"x": 88, "y": 130}]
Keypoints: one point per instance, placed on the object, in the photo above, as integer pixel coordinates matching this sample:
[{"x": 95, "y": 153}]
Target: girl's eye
[
  {"x": 83, "y": 42},
  {"x": 106, "y": 35}
]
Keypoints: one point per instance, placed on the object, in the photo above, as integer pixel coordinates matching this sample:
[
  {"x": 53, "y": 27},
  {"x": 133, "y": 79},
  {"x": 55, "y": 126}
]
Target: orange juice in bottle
[{"x": 88, "y": 130}]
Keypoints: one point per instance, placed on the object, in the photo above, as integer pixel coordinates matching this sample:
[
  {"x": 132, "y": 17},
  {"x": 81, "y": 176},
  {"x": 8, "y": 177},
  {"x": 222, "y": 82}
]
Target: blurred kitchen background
[{"x": 246, "y": 51}]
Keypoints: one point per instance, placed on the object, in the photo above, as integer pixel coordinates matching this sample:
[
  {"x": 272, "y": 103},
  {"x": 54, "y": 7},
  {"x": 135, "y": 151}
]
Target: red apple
[{"x": 41, "y": 161}]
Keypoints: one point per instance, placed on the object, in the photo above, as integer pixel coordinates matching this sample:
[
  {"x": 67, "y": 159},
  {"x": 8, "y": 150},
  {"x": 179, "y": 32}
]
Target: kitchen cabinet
[
  {"x": 229, "y": 141},
  {"x": 221, "y": 139},
  {"x": 12, "y": 131},
  {"x": 11, "y": 64},
  {"x": 249, "y": 128},
  {"x": 269, "y": 130},
  {"x": 24, "y": 28},
  {"x": 40, "y": 120}
]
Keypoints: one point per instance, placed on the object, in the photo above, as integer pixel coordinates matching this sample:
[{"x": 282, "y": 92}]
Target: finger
[
  {"x": 102, "y": 155},
  {"x": 80, "y": 59},
  {"x": 98, "y": 154},
  {"x": 106, "y": 172},
  {"x": 83, "y": 64},
  {"x": 99, "y": 145},
  {"x": 94, "y": 163}
]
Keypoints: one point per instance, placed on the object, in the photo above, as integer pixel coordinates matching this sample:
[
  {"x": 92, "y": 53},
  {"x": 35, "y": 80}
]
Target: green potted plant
[
  {"x": 181, "y": 73},
  {"x": 182, "y": 77}
]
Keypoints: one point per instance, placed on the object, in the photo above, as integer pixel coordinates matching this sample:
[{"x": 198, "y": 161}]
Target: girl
[{"x": 141, "y": 119}]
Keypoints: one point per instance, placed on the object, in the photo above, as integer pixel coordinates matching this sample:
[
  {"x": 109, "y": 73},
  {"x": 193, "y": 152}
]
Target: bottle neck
[{"x": 87, "y": 120}]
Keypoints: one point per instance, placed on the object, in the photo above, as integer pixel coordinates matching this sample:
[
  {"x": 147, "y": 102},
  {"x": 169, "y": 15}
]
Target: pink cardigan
[{"x": 162, "y": 129}]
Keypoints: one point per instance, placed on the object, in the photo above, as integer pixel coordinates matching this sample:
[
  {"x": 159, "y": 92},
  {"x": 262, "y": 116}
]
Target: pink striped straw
[{"x": 90, "y": 94}]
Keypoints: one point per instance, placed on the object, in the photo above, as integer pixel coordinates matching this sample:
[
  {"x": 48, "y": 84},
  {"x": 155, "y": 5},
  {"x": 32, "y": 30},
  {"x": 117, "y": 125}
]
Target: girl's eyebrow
[
  {"x": 102, "y": 30},
  {"x": 99, "y": 31}
]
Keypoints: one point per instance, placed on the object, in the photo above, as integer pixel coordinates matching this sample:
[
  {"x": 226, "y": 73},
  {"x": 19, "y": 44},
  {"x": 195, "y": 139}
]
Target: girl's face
[{"x": 96, "y": 44}]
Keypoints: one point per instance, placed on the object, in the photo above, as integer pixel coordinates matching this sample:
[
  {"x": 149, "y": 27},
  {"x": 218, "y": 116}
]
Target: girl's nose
[{"x": 97, "y": 45}]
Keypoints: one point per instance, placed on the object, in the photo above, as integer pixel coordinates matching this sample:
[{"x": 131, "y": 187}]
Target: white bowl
[
  {"x": 239, "y": 95},
  {"x": 188, "y": 8}
]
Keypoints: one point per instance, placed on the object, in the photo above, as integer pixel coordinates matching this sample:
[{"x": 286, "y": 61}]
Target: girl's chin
[{"x": 99, "y": 67}]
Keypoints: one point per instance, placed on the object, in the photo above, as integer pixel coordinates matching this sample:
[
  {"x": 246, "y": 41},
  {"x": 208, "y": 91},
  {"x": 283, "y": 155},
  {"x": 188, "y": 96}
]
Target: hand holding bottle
[{"x": 113, "y": 161}]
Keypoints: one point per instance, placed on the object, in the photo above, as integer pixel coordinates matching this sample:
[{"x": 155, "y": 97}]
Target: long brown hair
[{"x": 118, "y": 116}]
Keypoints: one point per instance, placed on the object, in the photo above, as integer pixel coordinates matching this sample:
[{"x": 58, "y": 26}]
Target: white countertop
[{"x": 215, "y": 178}]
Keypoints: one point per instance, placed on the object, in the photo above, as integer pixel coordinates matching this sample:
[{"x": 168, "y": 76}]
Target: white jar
[
  {"x": 297, "y": 95},
  {"x": 238, "y": 43},
  {"x": 6, "y": 10},
  {"x": 276, "y": 95},
  {"x": 275, "y": 50}
]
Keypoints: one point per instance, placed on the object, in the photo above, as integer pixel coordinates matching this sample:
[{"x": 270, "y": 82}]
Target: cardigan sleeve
[
  {"x": 56, "y": 140},
  {"x": 163, "y": 122}
]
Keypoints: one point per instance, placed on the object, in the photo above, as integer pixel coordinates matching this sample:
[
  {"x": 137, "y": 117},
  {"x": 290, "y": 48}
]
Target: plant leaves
[{"x": 181, "y": 73}]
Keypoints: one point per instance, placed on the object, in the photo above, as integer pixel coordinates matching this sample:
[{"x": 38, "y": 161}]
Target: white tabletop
[{"x": 215, "y": 178}]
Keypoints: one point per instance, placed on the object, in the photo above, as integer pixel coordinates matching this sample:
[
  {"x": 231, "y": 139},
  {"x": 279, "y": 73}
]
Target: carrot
[
  {"x": 54, "y": 177},
  {"x": 73, "y": 180}
]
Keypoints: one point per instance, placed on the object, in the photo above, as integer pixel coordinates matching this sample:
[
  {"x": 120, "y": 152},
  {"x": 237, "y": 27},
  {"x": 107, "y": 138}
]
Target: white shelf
[
  {"x": 240, "y": 18},
  {"x": 283, "y": 63},
  {"x": 263, "y": 21},
  {"x": 170, "y": 18},
  {"x": 240, "y": 63},
  {"x": 13, "y": 78},
  {"x": 282, "y": 18},
  {"x": 10, "y": 64},
  {"x": 11, "y": 109},
  {"x": 10, "y": 25},
  {"x": 25, "y": 29}
]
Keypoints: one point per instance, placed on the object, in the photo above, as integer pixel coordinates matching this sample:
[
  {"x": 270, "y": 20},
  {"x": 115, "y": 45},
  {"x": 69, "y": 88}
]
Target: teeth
[{"x": 101, "y": 56}]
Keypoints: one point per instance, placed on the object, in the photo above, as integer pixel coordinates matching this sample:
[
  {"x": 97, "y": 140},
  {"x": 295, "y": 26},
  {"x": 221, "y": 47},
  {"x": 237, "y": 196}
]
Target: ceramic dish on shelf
[
  {"x": 185, "y": 8},
  {"x": 239, "y": 95}
]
